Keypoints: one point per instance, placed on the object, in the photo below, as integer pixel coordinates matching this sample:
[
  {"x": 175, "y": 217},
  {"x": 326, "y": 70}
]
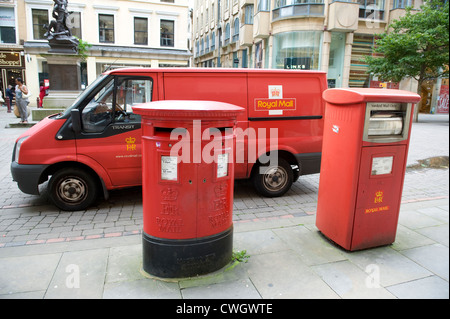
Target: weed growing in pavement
[{"x": 240, "y": 256}]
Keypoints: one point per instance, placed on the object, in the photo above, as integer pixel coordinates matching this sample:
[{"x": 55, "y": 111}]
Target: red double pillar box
[{"x": 188, "y": 182}]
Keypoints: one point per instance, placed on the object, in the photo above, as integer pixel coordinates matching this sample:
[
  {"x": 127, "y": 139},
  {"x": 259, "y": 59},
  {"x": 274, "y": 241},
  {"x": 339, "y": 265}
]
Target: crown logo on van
[
  {"x": 131, "y": 146},
  {"x": 130, "y": 140},
  {"x": 275, "y": 92}
]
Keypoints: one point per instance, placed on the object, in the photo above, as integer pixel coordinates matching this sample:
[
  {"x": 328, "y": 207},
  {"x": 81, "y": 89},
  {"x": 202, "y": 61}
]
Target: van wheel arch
[
  {"x": 53, "y": 169},
  {"x": 288, "y": 170}
]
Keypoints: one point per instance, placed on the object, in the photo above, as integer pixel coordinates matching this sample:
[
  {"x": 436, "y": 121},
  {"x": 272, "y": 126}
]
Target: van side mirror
[{"x": 76, "y": 120}]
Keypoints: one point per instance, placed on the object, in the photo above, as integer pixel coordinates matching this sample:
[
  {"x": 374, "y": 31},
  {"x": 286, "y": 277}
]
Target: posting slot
[{"x": 386, "y": 122}]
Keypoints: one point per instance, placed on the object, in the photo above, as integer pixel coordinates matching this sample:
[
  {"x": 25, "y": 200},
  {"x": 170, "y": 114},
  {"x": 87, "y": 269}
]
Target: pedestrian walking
[
  {"x": 43, "y": 92},
  {"x": 22, "y": 94},
  {"x": 10, "y": 93}
]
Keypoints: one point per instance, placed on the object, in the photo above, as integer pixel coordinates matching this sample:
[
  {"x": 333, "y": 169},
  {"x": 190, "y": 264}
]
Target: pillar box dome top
[
  {"x": 188, "y": 110},
  {"x": 359, "y": 95}
]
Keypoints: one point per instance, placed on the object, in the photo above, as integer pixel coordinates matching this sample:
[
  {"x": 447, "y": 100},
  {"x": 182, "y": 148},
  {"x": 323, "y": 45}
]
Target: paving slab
[
  {"x": 414, "y": 219},
  {"x": 258, "y": 242},
  {"x": 439, "y": 233},
  {"x": 27, "y": 274},
  {"x": 434, "y": 257},
  {"x": 80, "y": 274},
  {"x": 439, "y": 213},
  {"x": 311, "y": 246},
  {"x": 393, "y": 267},
  {"x": 124, "y": 264},
  {"x": 141, "y": 289},
  {"x": 351, "y": 282},
  {"x": 239, "y": 289},
  {"x": 432, "y": 287},
  {"x": 407, "y": 238},
  {"x": 283, "y": 275}
]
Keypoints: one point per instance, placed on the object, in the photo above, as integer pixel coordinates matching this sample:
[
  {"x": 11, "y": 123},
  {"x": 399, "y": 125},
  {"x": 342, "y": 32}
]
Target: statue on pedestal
[{"x": 59, "y": 36}]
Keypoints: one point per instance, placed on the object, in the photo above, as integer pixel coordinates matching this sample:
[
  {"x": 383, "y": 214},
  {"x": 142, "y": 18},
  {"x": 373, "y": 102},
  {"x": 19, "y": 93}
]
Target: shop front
[
  {"x": 12, "y": 66},
  {"x": 297, "y": 50}
]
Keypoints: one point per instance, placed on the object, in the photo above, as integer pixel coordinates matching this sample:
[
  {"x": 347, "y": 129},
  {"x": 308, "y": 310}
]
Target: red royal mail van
[{"x": 95, "y": 145}]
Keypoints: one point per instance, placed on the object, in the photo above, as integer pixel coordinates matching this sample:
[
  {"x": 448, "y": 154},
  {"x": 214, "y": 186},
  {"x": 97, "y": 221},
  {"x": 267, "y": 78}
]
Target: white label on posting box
[
  {"x": 222, "y": 165},
  {"x": 382, "y": 165},
  {"x": 169, "y": 168}
]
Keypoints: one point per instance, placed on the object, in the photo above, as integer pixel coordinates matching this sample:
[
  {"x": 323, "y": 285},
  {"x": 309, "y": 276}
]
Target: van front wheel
[
  {"x": 273, "y": 180},
  {"x": 72, "y": 189}
]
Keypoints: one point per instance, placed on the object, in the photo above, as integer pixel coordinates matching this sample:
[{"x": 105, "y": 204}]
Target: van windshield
[{"x": 83, "y": 95}]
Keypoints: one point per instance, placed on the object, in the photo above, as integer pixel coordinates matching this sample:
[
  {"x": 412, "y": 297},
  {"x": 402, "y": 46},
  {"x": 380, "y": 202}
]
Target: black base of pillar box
[{"x": 180, "y": 258}]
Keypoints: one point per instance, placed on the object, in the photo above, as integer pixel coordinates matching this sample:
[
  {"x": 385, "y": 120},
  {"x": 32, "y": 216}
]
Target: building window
[
  {"x": 236, "y": 30},
  {"x": 263, "y": 5},
  {"x": 141, "y": 31},
  {"x": 226, "y": 39},
  {"x": 167, "y": 33},
  {"x": 106, "y": 28},
  {"x": 7, "y": 35},
  {"x": 371, "y": 9},
  {"x": 297, "y": 50},
  {"x": 74, "y": 24},
  {"x": 248, "y": 14},
  {"x": 292, "y": 8},
  {"x": 402, "y": 4},
  {"x": 7, "y": 25},
  {"x": 213, "y": 41},
  {"x": 258, "y": 56},
  {"x": 244, "y": 58},
  {"x": 363, "y": 45},
  {"x": 40, "y": 20}
]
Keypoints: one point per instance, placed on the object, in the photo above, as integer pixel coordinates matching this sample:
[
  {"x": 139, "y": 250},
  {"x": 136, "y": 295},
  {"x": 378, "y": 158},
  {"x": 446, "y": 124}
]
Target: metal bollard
[{"x": 8, "y": 104}]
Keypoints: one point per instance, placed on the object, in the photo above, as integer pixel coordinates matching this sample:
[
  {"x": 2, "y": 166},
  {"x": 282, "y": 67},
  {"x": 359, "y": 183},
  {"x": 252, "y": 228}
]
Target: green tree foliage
[
  {"x": 83, "y": 48},
  {"x": 416, "y": 45}
]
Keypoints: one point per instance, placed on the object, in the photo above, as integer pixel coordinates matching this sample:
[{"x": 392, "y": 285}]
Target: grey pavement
[{"x": 46, "y": 253}]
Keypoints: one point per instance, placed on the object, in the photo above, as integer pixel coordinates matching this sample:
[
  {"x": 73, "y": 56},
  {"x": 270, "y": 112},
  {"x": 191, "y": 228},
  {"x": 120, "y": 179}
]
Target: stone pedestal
[{"x": 65, "y": 79}]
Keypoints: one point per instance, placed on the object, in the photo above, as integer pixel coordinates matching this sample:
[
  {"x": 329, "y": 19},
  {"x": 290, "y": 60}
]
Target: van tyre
[
  {"x": 273, "y": 180},
  {"x": 72, "y": 189}
]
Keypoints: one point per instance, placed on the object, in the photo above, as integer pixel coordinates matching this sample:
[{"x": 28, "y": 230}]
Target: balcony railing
[{"x": 296, "y": 8}]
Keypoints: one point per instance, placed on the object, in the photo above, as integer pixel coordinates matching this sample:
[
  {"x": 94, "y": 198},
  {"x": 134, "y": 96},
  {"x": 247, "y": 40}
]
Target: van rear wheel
[
  {"x": 273, "y": 180},
  {"x": 72, "y": 189}
]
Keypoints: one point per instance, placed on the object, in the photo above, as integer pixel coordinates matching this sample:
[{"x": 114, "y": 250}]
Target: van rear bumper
[
  {"x": 27, "y": 177},
  {"x": 309, "y": 163}
]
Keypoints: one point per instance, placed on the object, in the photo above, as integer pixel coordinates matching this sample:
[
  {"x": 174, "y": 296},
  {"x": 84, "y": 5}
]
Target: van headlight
[{"x": 17, "y": 149}]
